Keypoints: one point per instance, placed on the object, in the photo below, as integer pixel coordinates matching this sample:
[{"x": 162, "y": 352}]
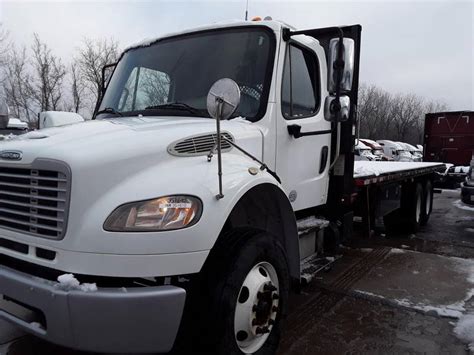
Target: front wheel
[{"x": 246, "y": 295}]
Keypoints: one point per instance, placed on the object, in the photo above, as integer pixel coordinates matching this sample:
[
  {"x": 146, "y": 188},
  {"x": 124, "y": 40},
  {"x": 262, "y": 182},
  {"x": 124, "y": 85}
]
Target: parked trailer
[
  {"x": 449, "y": 137},
  {"x": 155, "y": 227}
]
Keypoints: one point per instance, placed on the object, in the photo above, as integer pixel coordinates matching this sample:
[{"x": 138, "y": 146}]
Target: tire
[
  {"x": 219, "y": 295},
  {"x": 427, "y": 202},
  {"x": 412, "y": 202}
]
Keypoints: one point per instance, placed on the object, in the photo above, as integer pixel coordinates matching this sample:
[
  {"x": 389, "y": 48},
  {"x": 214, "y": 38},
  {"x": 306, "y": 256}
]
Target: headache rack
[{"x": 34, "y": 199}]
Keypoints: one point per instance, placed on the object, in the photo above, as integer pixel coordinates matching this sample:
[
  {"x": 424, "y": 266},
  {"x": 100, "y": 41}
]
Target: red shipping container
[{"x": 449, "y": 137}]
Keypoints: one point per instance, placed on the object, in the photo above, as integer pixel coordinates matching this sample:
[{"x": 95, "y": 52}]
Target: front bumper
[
  {"x": 467, "y": 193},
  {"x": 109, "y": 320}
]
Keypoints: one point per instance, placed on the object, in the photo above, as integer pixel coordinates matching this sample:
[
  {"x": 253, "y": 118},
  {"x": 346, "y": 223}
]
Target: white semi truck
[{"x": 179, "y": 226}]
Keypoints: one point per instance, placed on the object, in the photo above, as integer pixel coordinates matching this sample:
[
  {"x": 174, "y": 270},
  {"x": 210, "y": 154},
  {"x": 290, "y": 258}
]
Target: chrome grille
[
  {"x": 199, "y": 145},
  {"x": 35, "y": 199}
]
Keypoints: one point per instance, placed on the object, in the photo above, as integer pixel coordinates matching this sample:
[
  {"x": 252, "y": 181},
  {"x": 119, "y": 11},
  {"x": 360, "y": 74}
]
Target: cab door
[{"x": 303, "y": 135}]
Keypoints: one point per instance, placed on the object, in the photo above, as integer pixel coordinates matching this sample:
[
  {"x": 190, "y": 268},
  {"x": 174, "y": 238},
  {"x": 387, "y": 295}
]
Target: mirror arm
[
  {"x": 263, "y": 166},
  {"x": 220, "y": 103}
]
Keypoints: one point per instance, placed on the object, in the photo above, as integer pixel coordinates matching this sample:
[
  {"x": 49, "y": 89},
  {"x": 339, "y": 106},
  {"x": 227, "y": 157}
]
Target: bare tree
[
  {"x": 429, "y": 106},
  {"x": 92, "y": 57},
  {"x": 4, "y": 51},
  {"x": 17, "y": 85},
  {"x": 49, "y": 73},
  {"x": 396, "y": 117},
  {"x": 374, "y": 111},
  {"x": 4, "y": 44},
  {"x": 77, "y": 88}
]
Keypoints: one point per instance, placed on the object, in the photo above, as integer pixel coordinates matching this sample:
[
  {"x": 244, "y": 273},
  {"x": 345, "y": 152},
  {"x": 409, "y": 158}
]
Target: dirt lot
[{"x": 387, "y": 294}]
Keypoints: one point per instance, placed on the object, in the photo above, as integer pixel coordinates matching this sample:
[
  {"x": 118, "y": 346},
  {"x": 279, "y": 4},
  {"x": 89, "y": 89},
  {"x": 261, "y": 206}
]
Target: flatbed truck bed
[
  {"x": 394, "y": 194},
  {"x": 373, "y": 172}
]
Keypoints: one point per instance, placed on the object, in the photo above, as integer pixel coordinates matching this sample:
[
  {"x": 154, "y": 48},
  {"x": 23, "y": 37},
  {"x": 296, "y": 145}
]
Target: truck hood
[{"x": 121, "y": 138}]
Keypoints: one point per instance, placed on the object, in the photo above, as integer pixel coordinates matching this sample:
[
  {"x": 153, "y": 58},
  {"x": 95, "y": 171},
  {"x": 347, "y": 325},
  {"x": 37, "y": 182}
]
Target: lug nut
[
  {"x": 275, "y": 296},
  {"x": 262, "y": 330},
  {"x": 274, "y": 309},
  {"x": 271, "y": 321},
  {"x": 269, "y": 287}
]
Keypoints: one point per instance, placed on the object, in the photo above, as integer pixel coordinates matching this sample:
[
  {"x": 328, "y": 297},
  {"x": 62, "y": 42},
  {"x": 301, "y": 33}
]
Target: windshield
[
  {"x": 364, "y": 152},
  {"x": 403, "y": 153},
  {"x": 378, "y": 151},
  {"x": 181, "y": 70}
]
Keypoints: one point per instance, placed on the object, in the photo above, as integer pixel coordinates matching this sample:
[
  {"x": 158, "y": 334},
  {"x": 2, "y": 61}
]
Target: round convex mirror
[{"x": 223, "y": 98}]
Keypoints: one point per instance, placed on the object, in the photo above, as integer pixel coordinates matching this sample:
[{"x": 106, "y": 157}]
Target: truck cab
[
  {"x": 14, "y": 127},
  {"x": 364, "y": 152},
  {"x": 395, "y": 151},
  {"x": 416, "y": 153},
  {"x": 126, "y": 232}
]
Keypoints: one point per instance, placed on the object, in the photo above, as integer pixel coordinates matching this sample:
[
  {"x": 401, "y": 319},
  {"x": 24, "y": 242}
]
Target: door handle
[{"x": 295, "y": 131}]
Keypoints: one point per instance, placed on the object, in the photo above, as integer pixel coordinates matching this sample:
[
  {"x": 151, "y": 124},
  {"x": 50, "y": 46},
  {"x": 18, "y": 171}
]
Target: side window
[
  {"x": 145, "y": 87},
  {"x": 300, "y": 86}
]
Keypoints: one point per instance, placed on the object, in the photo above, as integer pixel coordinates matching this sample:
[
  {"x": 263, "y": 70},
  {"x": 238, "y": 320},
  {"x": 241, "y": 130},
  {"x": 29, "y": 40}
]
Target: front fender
[{"x": 192, "y": 176}]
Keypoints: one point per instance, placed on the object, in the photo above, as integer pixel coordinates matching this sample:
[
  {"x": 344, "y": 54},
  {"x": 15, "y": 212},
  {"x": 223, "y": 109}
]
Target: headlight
[{"x": 164, "y": 213}]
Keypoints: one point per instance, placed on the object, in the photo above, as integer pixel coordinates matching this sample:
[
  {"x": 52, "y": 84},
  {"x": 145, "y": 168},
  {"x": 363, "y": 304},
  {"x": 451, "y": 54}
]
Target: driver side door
[{"x": 303, "y": 162}]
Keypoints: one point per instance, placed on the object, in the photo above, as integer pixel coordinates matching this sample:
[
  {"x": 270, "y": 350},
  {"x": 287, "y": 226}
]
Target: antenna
[{"x": 247, "y": 11}]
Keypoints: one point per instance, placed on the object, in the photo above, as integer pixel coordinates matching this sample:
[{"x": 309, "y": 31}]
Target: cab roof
[{"x": 274, "y": 25}]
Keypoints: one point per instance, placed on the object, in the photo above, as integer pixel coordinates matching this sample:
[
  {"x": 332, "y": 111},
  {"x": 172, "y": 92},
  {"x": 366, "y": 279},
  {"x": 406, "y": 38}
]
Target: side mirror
[
  {"x": 57, "y": 118},
  {"x": 337, "y": 110},
  {"x": 4, "y": 114},
  {"x": 347, "y": 67},
  {"x": 223, "y": 99},
  {"x": 341, "y": 73}
]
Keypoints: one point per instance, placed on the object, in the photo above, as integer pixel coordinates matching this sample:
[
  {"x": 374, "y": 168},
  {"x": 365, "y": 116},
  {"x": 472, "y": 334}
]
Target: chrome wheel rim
[{"x": 257, "y": 307}]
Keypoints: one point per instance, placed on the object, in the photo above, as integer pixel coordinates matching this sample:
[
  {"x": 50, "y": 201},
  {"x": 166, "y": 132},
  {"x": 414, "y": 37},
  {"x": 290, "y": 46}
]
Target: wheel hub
[{"x": 256, "y": 308}]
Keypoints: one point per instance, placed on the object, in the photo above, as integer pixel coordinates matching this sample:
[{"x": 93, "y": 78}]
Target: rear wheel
[
  {"x": 412, "y": 206},
  {"x": 427, "y": 202}
]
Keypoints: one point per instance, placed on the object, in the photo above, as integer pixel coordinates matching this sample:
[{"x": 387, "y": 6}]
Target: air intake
[{"x": 199, "y": 145}]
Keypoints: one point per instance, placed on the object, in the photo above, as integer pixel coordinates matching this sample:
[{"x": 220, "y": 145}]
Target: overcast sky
[{"x": 422, "y": 47}]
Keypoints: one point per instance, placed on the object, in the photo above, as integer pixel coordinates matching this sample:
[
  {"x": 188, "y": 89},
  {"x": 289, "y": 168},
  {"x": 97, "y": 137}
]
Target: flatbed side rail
[{"x": 394, "y": 176}]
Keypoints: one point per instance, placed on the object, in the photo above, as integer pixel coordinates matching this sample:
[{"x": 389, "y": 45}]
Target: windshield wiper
[
  {"x": 109, "y": 110},
  {"x": 177, "y": 106}
]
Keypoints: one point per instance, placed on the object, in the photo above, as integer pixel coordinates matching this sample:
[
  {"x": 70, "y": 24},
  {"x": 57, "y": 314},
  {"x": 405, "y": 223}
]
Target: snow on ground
[
  {"x": 463, "y": 206},
  {"x": 397, "y": 251},
  {"x": 464, "y": 320},
  {"x": 454, "y": 310},
  {"x": 67, "y": 282},
  {"x": 464, "y": 330}
]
